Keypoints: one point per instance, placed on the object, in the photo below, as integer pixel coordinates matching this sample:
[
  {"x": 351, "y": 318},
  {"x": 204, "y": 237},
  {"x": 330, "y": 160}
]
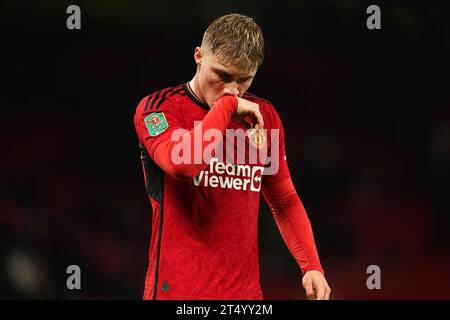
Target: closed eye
[
  {"x": 224, "y": 76},
  {"x": 243, "y": 80}
]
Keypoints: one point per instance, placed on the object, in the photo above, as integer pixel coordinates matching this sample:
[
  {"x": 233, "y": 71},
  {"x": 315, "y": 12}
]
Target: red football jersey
[{"x": 204, "y": 242}]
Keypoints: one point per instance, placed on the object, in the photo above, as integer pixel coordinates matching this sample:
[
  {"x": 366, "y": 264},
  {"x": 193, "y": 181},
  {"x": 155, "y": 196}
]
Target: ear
[{"x": 198, "y": 55}]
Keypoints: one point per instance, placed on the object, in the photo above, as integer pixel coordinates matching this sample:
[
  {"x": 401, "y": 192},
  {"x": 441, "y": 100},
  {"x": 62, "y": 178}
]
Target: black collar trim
[{"x": 194, "y": 97}]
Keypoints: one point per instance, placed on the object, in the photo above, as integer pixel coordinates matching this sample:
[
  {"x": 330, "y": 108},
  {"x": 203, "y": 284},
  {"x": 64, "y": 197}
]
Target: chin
[{"x": 210, "y": 104}]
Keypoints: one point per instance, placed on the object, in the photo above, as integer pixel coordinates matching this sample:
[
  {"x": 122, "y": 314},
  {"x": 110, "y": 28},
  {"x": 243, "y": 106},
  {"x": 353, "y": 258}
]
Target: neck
[{"x": 195, "y": 87}]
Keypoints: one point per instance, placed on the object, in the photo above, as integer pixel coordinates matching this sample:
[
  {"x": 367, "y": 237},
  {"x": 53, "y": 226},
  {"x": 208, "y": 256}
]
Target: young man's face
[{"x": 216, "y": 80}]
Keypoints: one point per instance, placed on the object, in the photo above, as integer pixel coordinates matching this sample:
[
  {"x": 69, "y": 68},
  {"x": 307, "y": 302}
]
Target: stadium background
[{"x": 367, "y": 123}]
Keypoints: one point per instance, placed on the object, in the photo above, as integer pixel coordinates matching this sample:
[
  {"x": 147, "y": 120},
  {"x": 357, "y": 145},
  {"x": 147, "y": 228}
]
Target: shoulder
[
  {"x": 254, "y": 98},
  {"x": 161, "y": 100}
]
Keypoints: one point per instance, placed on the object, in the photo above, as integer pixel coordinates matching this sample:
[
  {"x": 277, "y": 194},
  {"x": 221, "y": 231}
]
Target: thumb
[{"x": 310, "y": 295}]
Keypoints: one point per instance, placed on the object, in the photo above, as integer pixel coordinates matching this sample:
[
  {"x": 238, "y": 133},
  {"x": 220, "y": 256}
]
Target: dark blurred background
[{"x": 367, "y": 119}]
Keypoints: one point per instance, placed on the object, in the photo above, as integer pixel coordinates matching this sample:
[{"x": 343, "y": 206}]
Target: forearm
[
  {"x": 217, "y": 118},
  {"x": 293, "y": 223}
]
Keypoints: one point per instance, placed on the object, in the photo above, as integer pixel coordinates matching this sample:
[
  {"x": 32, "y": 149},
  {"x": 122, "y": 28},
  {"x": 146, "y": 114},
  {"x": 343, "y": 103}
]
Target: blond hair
[{"x": 235, "y": 39}]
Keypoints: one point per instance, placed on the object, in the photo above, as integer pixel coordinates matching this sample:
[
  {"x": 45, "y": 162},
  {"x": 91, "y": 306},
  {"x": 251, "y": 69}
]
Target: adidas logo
[{"x": 165, "y": 286}]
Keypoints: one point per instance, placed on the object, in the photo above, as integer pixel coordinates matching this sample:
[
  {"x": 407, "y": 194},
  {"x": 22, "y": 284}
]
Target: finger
[
  {"x": 247, "y": 122},
  {"x": 256, "y": 119},
  {"x": 256, "y": 115},
  {"x": 320, "y": 295},
  {"x": 327, "y": 293},
  {"x": 309, "y": 290},
  {"x": 259, "y": 119}
]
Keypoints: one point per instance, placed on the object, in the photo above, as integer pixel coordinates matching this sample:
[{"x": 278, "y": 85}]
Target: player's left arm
[
  {"x": 293, "y": 222},
  {"x": 295, "y": 228}
]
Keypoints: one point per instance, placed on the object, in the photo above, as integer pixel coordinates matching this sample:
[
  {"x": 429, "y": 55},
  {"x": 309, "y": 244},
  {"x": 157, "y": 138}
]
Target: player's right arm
[{"x": 160, "y": 144}]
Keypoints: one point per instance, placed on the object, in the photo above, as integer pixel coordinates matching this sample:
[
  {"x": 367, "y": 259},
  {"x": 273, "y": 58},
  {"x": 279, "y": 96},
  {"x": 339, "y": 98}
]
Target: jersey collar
[{"x": 191, "y": 94}]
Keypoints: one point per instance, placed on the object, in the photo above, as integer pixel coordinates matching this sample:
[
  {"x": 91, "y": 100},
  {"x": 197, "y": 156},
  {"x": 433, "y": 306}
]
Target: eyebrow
[
  {"x": 226, "y": 74},
  {"x": 221, "y": 72}
]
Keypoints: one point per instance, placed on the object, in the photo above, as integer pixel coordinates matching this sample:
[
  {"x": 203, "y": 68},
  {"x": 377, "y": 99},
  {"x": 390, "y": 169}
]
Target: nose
[{"x": 231, "y": 89}]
